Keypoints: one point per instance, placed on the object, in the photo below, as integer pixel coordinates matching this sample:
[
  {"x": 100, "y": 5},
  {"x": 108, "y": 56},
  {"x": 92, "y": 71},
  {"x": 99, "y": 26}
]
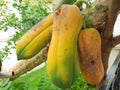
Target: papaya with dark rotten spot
[{"x": 89, "y": 47}]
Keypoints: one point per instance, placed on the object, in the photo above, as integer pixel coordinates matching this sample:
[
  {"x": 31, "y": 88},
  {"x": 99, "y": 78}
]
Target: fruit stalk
[{"x": 61, "y": 2}]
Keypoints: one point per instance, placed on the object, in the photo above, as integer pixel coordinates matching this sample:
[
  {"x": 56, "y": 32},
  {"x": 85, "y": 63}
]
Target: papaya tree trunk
[
  {"x": 108, "y": 41},
  {"x": 107, "y": 34}
]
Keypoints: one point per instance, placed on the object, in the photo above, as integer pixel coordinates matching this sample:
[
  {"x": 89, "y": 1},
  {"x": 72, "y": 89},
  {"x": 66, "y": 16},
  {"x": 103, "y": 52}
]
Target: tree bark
[
  {"x": 107, "y": 36},
  {"x": 108, "y": 42},
  {"x": 116, "y": 40},
  {"x": 24, "y": 66},
  {"x": 114, "y": 6}
]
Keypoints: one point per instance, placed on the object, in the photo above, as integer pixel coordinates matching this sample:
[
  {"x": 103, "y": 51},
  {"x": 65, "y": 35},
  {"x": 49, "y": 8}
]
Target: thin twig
[{"x": 116, "y": 40}]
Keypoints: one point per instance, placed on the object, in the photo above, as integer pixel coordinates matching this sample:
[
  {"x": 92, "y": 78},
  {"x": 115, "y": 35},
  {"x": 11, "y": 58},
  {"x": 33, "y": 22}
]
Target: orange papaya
[{"x": 89, "y": 47}]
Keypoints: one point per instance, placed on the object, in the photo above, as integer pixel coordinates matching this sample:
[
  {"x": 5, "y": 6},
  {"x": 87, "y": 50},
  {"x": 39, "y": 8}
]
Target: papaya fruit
[
  {"x": 89, "y": 47},
  {"x": 62, "y": 58},
  {"x": 33, "y": 41}
]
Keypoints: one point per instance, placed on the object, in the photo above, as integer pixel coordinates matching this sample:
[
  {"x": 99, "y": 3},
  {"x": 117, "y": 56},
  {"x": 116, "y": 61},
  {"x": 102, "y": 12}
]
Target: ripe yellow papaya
[
  {"x": 39, "y": 33},
  {"x": 63, "y": 60},
  {"x": 37, "y": 44},
  {"x": 89, "y": 47}
]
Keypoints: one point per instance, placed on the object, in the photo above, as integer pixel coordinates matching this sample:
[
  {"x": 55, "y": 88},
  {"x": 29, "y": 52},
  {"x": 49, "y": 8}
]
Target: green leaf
[{"x": 20, "y": 1}]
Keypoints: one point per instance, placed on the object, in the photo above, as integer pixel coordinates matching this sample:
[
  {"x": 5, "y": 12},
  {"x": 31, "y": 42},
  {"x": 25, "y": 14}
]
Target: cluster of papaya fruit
[{"x": 71, "y": 51}]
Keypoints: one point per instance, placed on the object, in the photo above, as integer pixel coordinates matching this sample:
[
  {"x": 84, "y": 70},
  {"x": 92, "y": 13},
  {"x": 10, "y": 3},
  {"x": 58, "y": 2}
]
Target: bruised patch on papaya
[
  {"x": 93, "y": 62},
  {"x": 58, "y": 12},
  {"x": 89, "y": 47}
]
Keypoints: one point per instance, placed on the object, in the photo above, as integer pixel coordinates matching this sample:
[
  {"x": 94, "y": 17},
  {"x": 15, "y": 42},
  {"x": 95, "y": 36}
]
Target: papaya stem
[{"x": 61, "y": 2}]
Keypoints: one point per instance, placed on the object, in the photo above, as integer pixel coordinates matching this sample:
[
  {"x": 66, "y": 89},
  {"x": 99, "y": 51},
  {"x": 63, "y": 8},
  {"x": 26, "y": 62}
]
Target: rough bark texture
[
  {"x": 116, "y": 40},
  {"x": 108, "y": 41},
  {"x": 24, "y": 66},
  {"x": 107, "y": 36}
]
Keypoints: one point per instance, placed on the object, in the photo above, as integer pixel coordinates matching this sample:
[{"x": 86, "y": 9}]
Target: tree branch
[
  {"x": 24, "y": 66},
  {"x": 114, "y": 6},
  {"x": 6, "y": 75},
  {"x": 116, "y": 40}
]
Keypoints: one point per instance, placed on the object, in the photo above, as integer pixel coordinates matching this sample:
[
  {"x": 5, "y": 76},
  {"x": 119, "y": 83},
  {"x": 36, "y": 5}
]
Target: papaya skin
[
  {"x": 89, "y": 47},
  {"x": 62, "y": 59}
]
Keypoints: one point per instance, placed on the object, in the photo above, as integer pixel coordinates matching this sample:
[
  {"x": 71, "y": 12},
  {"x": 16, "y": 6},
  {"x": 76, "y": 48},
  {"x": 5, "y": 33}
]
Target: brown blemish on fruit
[
  {"x": 93, "y": 62},
  {"x": 58, "y": 12}
]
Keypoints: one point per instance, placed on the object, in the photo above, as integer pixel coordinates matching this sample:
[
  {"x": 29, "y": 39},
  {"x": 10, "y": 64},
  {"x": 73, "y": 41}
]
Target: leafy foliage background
[
  {"x": 39, "y": 80},
  {"x": 29, "y": 15}
]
